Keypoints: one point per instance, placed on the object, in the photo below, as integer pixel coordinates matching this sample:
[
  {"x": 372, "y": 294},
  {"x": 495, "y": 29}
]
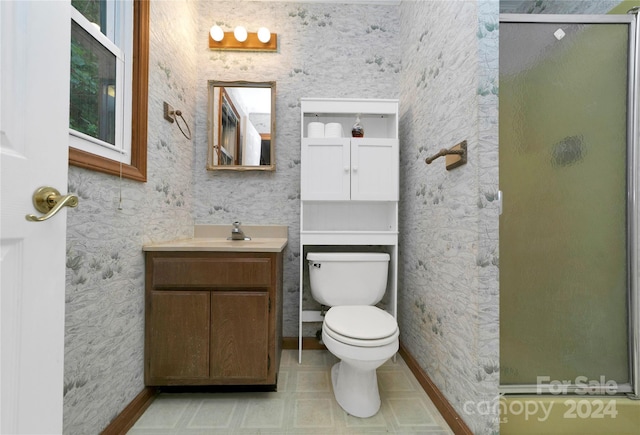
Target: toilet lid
[{"x": 361, "y": 325}]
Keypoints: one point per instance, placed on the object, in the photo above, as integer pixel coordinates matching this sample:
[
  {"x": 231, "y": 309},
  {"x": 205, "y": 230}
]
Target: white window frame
[{"x": 119, "y": 41}]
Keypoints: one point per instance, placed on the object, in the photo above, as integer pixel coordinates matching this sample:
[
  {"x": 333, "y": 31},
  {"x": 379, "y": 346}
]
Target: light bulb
[
  {"x": 264, "y": 35},
  {"x": 216, "y": 33},
  {"x": 240, "y": 33}
]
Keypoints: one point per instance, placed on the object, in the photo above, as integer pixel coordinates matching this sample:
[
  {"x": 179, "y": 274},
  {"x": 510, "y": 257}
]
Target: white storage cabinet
[
  {"x": 349, "y": 169},
  {"x": 349, "y": 186}
]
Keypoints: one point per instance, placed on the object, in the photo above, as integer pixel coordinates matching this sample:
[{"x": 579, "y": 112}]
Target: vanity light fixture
[
  {"x": 240, "y": 33},
  {"x": 216, "y": 33},
  {"x": 264, "y": 35},
  {"x": 240, "y": 39}
]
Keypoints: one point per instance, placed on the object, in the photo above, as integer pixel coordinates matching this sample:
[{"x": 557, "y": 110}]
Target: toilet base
[{"x": 356, "y": 390}]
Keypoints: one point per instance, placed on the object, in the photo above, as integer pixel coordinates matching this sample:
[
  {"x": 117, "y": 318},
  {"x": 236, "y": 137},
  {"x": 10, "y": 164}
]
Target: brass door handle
[{"x": 49, "y": 201}]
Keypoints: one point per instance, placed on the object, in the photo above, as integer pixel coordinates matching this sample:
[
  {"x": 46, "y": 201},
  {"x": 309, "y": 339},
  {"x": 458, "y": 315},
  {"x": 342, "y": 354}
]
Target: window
[{"x": 109, "y": 86}]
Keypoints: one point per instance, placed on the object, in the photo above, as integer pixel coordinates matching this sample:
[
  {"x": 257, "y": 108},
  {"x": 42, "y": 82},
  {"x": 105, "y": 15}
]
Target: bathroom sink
[
  {"x": 220, "y": 244},
  {"x": 214, "y": 238}
]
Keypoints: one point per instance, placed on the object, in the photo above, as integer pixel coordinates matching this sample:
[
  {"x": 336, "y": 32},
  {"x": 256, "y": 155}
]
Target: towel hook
[
  {"x": 455, "y": 156},
  {"x": 171, "y": 115},
  {"x": 179, "y": 113}
]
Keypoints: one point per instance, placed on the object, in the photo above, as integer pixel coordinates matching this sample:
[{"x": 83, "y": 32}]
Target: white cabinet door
[
  {"x": 350, "y": 169},
  {"x": 326, "y": 171},
  {"x": 374, "y": 169}
]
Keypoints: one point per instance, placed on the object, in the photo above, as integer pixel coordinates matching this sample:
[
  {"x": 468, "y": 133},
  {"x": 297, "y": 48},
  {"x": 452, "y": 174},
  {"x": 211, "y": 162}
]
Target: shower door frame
[{"x": 631, "y": 389}]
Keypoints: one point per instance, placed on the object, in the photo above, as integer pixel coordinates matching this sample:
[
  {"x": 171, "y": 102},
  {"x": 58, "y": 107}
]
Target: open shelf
[
  {"x": 379, "y": 118},
  {"x": 355, "y": 216}
]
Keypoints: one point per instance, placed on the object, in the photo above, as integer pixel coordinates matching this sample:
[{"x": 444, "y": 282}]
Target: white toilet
[{"x": 354, "y": 330}]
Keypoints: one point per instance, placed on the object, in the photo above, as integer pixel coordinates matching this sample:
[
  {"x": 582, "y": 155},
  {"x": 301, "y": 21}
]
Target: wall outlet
[{"x": 169, "y": 113}]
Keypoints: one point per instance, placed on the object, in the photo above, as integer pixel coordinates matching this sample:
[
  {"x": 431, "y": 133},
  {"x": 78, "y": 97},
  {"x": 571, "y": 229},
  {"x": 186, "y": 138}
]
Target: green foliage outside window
[
  {"x": 93, "y": 75},
  {"x": 91, "y": 9},
  {"x": 84, "y": 110}
]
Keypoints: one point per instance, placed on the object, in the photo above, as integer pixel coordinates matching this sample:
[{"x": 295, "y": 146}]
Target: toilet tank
[{"x": 348, "y": 278}]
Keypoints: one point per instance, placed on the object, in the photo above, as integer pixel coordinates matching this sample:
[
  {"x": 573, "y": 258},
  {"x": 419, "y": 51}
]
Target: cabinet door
[
  {"x": 240, "y": 337},
  {"x": 178, "y": 337},
  {"x": 325, "y": 172},
  {"x": 374, "y": 169}
]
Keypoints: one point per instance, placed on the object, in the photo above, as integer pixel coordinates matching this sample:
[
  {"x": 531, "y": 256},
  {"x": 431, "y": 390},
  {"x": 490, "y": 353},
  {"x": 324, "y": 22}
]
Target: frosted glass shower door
[{"x": 563, "y": 231}]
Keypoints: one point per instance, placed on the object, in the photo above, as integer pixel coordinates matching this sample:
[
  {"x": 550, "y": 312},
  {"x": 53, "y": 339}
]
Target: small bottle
[{"x": 357, "y": 130}]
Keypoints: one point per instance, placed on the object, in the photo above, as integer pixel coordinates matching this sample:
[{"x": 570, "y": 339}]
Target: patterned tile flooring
[{"x": 303, "y": 404}]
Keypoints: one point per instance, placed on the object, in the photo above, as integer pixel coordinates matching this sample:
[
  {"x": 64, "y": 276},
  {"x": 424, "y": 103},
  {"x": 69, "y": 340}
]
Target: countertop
[{"x": 264, "y": 238}]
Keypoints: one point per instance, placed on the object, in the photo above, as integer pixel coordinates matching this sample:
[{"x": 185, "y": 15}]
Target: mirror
[{"x": 241, "y": 124}]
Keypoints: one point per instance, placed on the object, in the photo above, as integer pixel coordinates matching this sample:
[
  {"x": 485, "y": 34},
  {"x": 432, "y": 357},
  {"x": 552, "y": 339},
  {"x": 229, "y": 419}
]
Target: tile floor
[{"x": 303, "y": 404}]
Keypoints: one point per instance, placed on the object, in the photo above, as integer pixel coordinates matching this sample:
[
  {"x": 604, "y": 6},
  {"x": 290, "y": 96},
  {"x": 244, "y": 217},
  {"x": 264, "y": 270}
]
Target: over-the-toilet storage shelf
[{"x": 349, "y": 186}]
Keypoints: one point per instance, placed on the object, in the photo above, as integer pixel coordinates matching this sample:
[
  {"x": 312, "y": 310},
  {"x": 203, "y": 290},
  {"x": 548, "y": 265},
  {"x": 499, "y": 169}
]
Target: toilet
[{"x": 361, "y": 335}]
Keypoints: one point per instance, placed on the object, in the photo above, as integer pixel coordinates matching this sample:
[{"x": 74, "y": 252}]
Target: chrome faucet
[{"x": 237, "y": 233}]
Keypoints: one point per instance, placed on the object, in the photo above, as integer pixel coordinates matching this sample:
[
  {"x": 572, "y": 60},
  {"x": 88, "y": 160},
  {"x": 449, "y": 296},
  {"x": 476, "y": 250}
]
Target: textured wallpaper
[
  {"x": 448, "y": 291},
  {"x": 487, "y": 365},
  {"x": 557, "y": 6},
  {"x": 104, "y": 330}
]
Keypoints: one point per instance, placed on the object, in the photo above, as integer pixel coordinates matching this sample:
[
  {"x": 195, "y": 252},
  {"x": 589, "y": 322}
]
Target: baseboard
[
  {"x": 453, "y": 419},
  {"x": 307, "y": 343},
  {"x": 129, "y": 415}
]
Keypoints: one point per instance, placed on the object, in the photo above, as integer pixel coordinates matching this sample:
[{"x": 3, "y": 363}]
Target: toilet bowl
[
  {"x": 363, "y": 338},
  {"x": 357, "y": 332}
]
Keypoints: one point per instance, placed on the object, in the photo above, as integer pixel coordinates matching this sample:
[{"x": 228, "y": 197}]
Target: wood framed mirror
[{"x": 241, "y": 126}]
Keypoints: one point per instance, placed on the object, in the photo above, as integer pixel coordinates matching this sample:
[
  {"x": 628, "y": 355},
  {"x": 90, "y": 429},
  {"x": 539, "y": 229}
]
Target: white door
[
  {"x": 374, "y": 169},
  {"x": 326, "y": 169},
  {"x": 34, "y": 120}
]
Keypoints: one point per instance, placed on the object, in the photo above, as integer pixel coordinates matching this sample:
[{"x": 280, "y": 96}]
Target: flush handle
[{"x": 49, "y": 201}]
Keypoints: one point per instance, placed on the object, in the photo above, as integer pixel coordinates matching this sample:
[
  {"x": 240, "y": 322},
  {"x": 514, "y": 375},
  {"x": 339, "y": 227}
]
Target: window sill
[{"x": 136, "y": 171}]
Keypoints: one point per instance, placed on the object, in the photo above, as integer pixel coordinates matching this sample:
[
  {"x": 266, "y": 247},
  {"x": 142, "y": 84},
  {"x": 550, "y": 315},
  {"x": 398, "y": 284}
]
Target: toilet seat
[{"x": 361, "y": 325}]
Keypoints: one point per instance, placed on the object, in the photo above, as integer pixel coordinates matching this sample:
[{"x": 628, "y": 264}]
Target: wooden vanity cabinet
[{"x": 213, "y": 318}]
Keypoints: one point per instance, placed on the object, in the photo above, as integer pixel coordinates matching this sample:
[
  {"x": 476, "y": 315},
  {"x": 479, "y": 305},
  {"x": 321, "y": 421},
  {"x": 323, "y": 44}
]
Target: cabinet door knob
[
  {"x": 355, "y": 169},
  {"x": 346, "y": 169}
]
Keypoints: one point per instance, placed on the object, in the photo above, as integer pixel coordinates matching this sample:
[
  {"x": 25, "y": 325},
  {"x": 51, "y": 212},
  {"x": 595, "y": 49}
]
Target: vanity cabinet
[
  {"x": 213, "y": 318},
  {"x": 349, "y": 188}
]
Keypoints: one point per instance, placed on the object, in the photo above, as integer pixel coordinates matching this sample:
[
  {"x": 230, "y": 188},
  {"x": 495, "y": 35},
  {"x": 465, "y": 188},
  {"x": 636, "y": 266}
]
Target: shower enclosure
[{"x": 569, "y": 226}]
